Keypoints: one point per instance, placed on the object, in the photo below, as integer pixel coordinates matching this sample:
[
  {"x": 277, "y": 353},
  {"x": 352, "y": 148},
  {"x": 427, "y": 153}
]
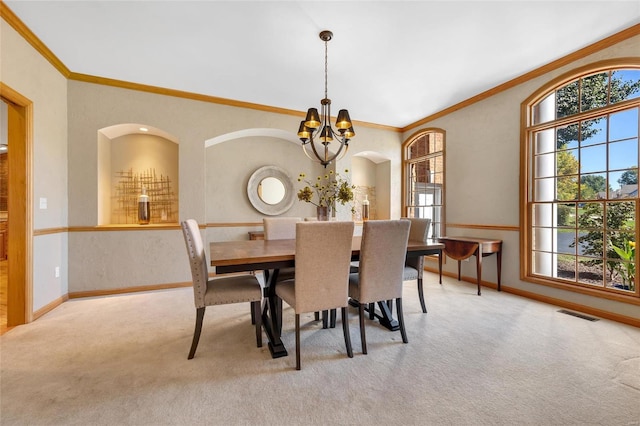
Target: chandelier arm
[
  {"x": 335, "y": 156},
  {"x": 304, "y": 148},
  {"x": 317, "y": 154},
  {"x": 344, "y": 152}
]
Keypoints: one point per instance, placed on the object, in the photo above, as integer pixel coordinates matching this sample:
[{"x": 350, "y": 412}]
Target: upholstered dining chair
[
  {"x": 414, "y": 266},
  {"x": 217, "y": 291},
  {"x": 382, "y": 255},
  {"x": 323, "y": 253},
  {"x": 280, "y": 228}
]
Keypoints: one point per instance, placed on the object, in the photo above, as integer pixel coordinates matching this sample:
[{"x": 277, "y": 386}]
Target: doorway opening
[{"x": 17, "y": 295}]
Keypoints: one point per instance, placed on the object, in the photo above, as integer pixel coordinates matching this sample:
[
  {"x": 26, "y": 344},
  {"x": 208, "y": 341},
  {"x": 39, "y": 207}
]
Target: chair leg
[
  {"x": 253, "y": 314},
  {"x": 255, "y": 311},
  {"x": 325, "y": 319},
  {"x": 316, "y": 316},
  {"x": 332, "y": 318},
  {"x": 421, "y": 295},
  {"x": 345, "y": 328},
  {"x": 363, "y": 338},
  {"x": 401, "y": 320},
  {"x": 196, "y": 332},
  {"x": 297, "y": 341},
  {"x": 372, "y": 311}
]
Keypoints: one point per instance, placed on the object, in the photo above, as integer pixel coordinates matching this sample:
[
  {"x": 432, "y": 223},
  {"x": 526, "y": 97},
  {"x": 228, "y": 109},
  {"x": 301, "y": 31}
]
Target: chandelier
[{"x": 315, "y": 130}]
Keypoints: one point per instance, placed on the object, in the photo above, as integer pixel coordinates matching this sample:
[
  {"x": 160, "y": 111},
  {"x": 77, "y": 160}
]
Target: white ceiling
[{"x": 390, "y": 63}]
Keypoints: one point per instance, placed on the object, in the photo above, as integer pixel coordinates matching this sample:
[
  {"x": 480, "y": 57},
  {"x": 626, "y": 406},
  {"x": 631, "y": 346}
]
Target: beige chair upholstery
[
  {"x": 280, "y": 228},
  {"x": 217, "y": 291},
  {"x": 379, "y": 278},
  {"x": 414, "y": 266},
  {"x": 323, "y": 253}
]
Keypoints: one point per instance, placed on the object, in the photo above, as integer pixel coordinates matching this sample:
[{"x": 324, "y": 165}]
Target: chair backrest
[
  {"x": 280, "y": 228},
  {"x": 323, "y": 258},
  {"x": 419, "y": 231},
  {"x": 197, "y": 260},
  {"x": 382, "y": 255}
]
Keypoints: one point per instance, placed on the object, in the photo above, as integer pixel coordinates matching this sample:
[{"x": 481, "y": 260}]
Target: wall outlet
[{"x": 57, "y": 272}]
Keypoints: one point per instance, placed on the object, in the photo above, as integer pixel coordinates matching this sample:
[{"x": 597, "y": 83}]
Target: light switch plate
[{"x": 43, "y": 203}]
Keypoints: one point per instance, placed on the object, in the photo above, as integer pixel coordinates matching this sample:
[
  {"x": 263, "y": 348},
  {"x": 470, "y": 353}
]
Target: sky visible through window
[{"x": 620, "y": 130}]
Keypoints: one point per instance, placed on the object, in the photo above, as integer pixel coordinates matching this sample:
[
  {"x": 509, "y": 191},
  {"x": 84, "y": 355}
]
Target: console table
[{"x": 460, "y": 248}]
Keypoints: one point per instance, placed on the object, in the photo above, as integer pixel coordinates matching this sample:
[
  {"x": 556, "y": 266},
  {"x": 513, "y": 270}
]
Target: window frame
[
  {"x": 528, "y": 130},
  {"x": 407, "y": 162}
]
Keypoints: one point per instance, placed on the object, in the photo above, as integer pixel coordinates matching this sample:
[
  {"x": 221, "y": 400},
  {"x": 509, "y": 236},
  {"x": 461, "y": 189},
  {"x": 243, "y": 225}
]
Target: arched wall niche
[
  {"x": 231, "y": 160},
  {"x": 130, "y": 158},
  {"x": 371, "y": 174}
]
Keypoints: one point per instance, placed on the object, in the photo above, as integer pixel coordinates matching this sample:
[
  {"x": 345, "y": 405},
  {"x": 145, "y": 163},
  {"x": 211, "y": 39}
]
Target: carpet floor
[{"x": 497, "y": 359}]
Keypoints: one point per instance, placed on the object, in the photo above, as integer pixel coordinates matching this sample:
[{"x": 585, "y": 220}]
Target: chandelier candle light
[{"x": 316, "y": 128}]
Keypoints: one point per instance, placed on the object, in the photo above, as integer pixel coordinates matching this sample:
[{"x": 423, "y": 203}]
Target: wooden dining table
[{"x": 273, "y": 255}]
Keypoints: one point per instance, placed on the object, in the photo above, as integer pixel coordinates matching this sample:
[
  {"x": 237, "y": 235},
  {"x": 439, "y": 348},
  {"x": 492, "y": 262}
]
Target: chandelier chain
[{"x": 325, "y": 69}]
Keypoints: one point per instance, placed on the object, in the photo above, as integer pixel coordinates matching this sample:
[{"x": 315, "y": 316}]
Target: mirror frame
[{"x": 252, "y": 190}]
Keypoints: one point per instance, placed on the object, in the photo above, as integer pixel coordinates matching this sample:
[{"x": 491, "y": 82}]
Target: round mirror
[{"x": 271, "y": 190}]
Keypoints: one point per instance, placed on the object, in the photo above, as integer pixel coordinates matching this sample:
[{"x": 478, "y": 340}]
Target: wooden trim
[
  {"x": 50, "y": 306},
  {"x": 207, "y": 98},
  {"x": 574, "y": 306},
  {"x": 491, "y": 227},
  {"x": 525, "y": 198},
  {"x": 231, "y": 224},
  {"x": 15, "y": 22},
  {"x": 48, "y": 231},
  {"x": 154, "y": 227},
  {"x": 403, "y": 171},
  {"x": 20, "y": 225},
  {"x": 572, "y": 57},
  {"x": 550, "y": 300},
  {"x": 129, "y": 227},
  {"x": 94, "y": 293},
  {"x": 575, "y": 74}
]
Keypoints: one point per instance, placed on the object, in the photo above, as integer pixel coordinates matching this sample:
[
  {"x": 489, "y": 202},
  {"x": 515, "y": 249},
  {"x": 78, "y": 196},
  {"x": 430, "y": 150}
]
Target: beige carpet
[{"x": 496, "y": 359}]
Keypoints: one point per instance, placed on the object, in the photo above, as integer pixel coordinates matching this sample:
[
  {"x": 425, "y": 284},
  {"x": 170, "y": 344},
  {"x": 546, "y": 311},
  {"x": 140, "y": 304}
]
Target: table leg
[
  {"x": 270, "y": 321},
  {"x": 386, "y": 319},
  {"x": 385, "y": 316},
  {"x": 440, "y": 264},
  {"x": 499, "y": 261},
  {"x": 479, "y": 268}
]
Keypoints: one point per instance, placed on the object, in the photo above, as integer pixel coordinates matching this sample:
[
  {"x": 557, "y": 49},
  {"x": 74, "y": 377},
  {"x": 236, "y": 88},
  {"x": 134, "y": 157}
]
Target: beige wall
[
  {"x": 212, "y": 180},
  {"x": 482, "y": 141},
  {"x": 28, "y": 73},
  {"x": 483, "y": 172}
]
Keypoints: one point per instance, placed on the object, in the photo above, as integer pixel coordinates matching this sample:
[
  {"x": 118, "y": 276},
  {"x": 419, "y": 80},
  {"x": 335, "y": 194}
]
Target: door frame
[{"x": 20, "y": 161}]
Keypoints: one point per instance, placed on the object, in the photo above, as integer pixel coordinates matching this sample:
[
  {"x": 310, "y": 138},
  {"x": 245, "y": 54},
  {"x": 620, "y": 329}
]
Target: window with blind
[
  {"x": 582, "y": 156},
  {"x": 423, "y": 178}
]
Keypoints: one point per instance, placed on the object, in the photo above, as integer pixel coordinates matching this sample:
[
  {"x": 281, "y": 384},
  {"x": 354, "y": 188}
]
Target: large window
[
  {"x": 582, "y": 204},
  {"x": 423, "y": 175}
]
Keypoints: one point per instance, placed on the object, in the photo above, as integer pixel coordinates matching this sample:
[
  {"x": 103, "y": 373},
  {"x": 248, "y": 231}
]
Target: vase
[{"x": 323, "y": 213}]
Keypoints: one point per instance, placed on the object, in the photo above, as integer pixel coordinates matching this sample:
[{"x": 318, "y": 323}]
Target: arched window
[
  {"x": 423, "y": 178},
  {"x": 581, "y": 155}
]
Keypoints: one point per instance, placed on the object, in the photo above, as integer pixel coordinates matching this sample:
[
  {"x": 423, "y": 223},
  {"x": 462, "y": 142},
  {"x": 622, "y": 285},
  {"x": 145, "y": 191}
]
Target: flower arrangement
[
  {"x": 330, "y": 189},
  {"x": 627, "y": 269}
]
